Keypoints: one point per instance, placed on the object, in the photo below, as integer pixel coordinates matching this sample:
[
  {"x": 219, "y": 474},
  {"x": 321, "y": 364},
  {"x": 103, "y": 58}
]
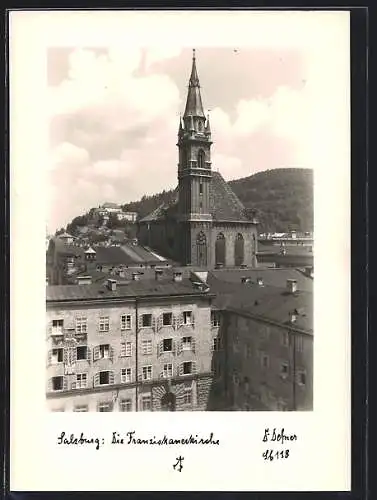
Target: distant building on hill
[{"x": 104, "y": 212}]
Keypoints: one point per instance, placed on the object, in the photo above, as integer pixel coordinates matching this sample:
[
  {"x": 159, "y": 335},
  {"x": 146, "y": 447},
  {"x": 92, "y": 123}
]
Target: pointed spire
[
  {"x": 194, "y": 79},
  {"x": 180, "y": 129},
  {"x": 194, "y": 105}
]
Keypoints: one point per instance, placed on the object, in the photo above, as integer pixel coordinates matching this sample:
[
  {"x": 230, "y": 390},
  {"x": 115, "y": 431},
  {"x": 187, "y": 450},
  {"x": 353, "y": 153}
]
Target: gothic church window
[
  {"x": 239, "y": 250},
  {"x": 201, "y": 159},
  {"x": 220, "y": 249},
  {"x": 201, "y": 249}
]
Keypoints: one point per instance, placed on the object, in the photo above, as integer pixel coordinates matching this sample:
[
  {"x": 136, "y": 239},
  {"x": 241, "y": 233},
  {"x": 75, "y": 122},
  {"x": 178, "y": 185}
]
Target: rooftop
[
  {"x": 113, "y": 255},
  {"x": 271, "y": 300},
  {"x": 131, "y": 289},
  {"x": 271, "y": 277}
]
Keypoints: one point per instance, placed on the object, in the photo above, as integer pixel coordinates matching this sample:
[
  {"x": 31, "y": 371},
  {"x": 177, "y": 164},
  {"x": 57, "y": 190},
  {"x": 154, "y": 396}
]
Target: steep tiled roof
[
  {"x": 224, "y": 204},
  {"x": 266, "y": 302}
]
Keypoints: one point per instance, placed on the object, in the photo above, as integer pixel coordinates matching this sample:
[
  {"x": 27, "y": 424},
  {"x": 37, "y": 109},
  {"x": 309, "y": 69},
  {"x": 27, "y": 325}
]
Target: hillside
[{"x": 283, "y": 198}]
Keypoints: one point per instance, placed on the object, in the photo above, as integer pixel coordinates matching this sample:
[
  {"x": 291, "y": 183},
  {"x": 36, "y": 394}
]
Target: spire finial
[{"x": 193, "y": 54}]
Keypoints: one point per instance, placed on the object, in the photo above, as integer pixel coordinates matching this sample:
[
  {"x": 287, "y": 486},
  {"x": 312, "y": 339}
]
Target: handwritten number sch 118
[{"x": 275, "y": 455}]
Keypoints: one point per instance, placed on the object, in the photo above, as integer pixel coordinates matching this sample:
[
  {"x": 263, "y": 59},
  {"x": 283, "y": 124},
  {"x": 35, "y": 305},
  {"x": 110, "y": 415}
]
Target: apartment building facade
[
  {"x": 145, "y": 346},
  {"x": 269, "y": 365}
]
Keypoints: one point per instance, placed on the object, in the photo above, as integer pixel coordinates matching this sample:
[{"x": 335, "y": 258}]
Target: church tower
[{"x": 194, "y": 145}]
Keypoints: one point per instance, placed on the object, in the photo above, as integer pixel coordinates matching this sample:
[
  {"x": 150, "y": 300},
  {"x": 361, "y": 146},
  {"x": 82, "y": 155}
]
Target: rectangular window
[
  {"x": 82, "y": 352},
  {"x": 265, "y": 360},
  {"x": 187, "y": 367},
  {"x": 104, "y": 378},
  {"x": 56, "y": 356},
  {"x": 146, "y": 320},
  {"x": 299, "y": 343},
  {"x": 125, "y": 405},
  {"x": 301, "y": 378},
  {"x": 285, "y": 339},
  {"x": 81, "y": 408},
  {"x": 167, "y": 371},
  {"x": 105, "y": 406},
  {"x": 167, "y": 345},
  {"x": 125, "y": 375},
  {"x": 186, "y": 343},
  {"x": 167, "y": 319},
  {"x": 126, "y": 349},
  {"x": 284, "y": 370},
  {"x": 146, "y": 347},
  {"x": 125, "y": 322},
  {"x": 187, "y": 317},
  {"x": 57, "y": 383},
  {"x": 215, "y": 318},
  {"x": 216, "y": 344},
  {"x": 201, "y": 188},
  {"x": 57, "y": 325},
  {"x": 81, "y": 380},
  {"x": 81, "y": 325},
  {"x": 104, "y": 324},
  {"x": 187, "y": 397},
  {"x": 104, "y": 351},
  {"x": 147, "y": 372},
  {"x": 146, "y": 403}
]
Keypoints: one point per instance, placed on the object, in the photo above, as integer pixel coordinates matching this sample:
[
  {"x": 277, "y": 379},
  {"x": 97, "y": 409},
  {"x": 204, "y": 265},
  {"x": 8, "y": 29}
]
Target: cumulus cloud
[{"x": 114, "y": 128}]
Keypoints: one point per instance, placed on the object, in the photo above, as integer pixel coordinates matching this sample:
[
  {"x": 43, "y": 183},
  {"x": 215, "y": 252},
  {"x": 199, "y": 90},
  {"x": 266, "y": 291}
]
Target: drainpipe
[
  {"x": 294, "y": 372},
  {"x": 137, "y": 356}
]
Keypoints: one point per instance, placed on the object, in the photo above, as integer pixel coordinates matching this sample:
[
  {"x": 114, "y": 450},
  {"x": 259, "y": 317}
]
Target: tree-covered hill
[{"x": 282, "y": 198}]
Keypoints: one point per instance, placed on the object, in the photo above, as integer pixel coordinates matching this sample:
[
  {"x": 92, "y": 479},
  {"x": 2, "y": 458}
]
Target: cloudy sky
[{"x": 114, "y": 120}]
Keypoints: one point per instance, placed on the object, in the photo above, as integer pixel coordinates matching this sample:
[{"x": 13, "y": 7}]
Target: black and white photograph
[
  {"x": 195, "y": 297},
  {"x": 186, "y": 208}
]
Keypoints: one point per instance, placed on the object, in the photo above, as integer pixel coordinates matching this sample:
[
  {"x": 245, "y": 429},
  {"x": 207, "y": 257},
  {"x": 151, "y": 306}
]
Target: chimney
[
  {"x": 309, "y": 271},
  {"x": 158, "y": 274},
  {"x": 260, "y": 281},
  {"x": 111, "y": 285},
  {"x": 292, "y": 286},
  {"x": 177, "y": 276},
  {"x": 135, "y": 276},
  {"x": 293, "y": 316}
]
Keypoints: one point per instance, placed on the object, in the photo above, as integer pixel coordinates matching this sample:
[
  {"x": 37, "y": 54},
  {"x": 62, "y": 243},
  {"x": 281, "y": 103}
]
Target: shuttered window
[
  {"x": 147, "y": 372},
  {"x": 126, "y": 349},
  {"x": 125, "y": 322},
  {"x": 125, "y": 375},
  {"x": 146, "y": 320},
  {"x": 146, "y": 347}
]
